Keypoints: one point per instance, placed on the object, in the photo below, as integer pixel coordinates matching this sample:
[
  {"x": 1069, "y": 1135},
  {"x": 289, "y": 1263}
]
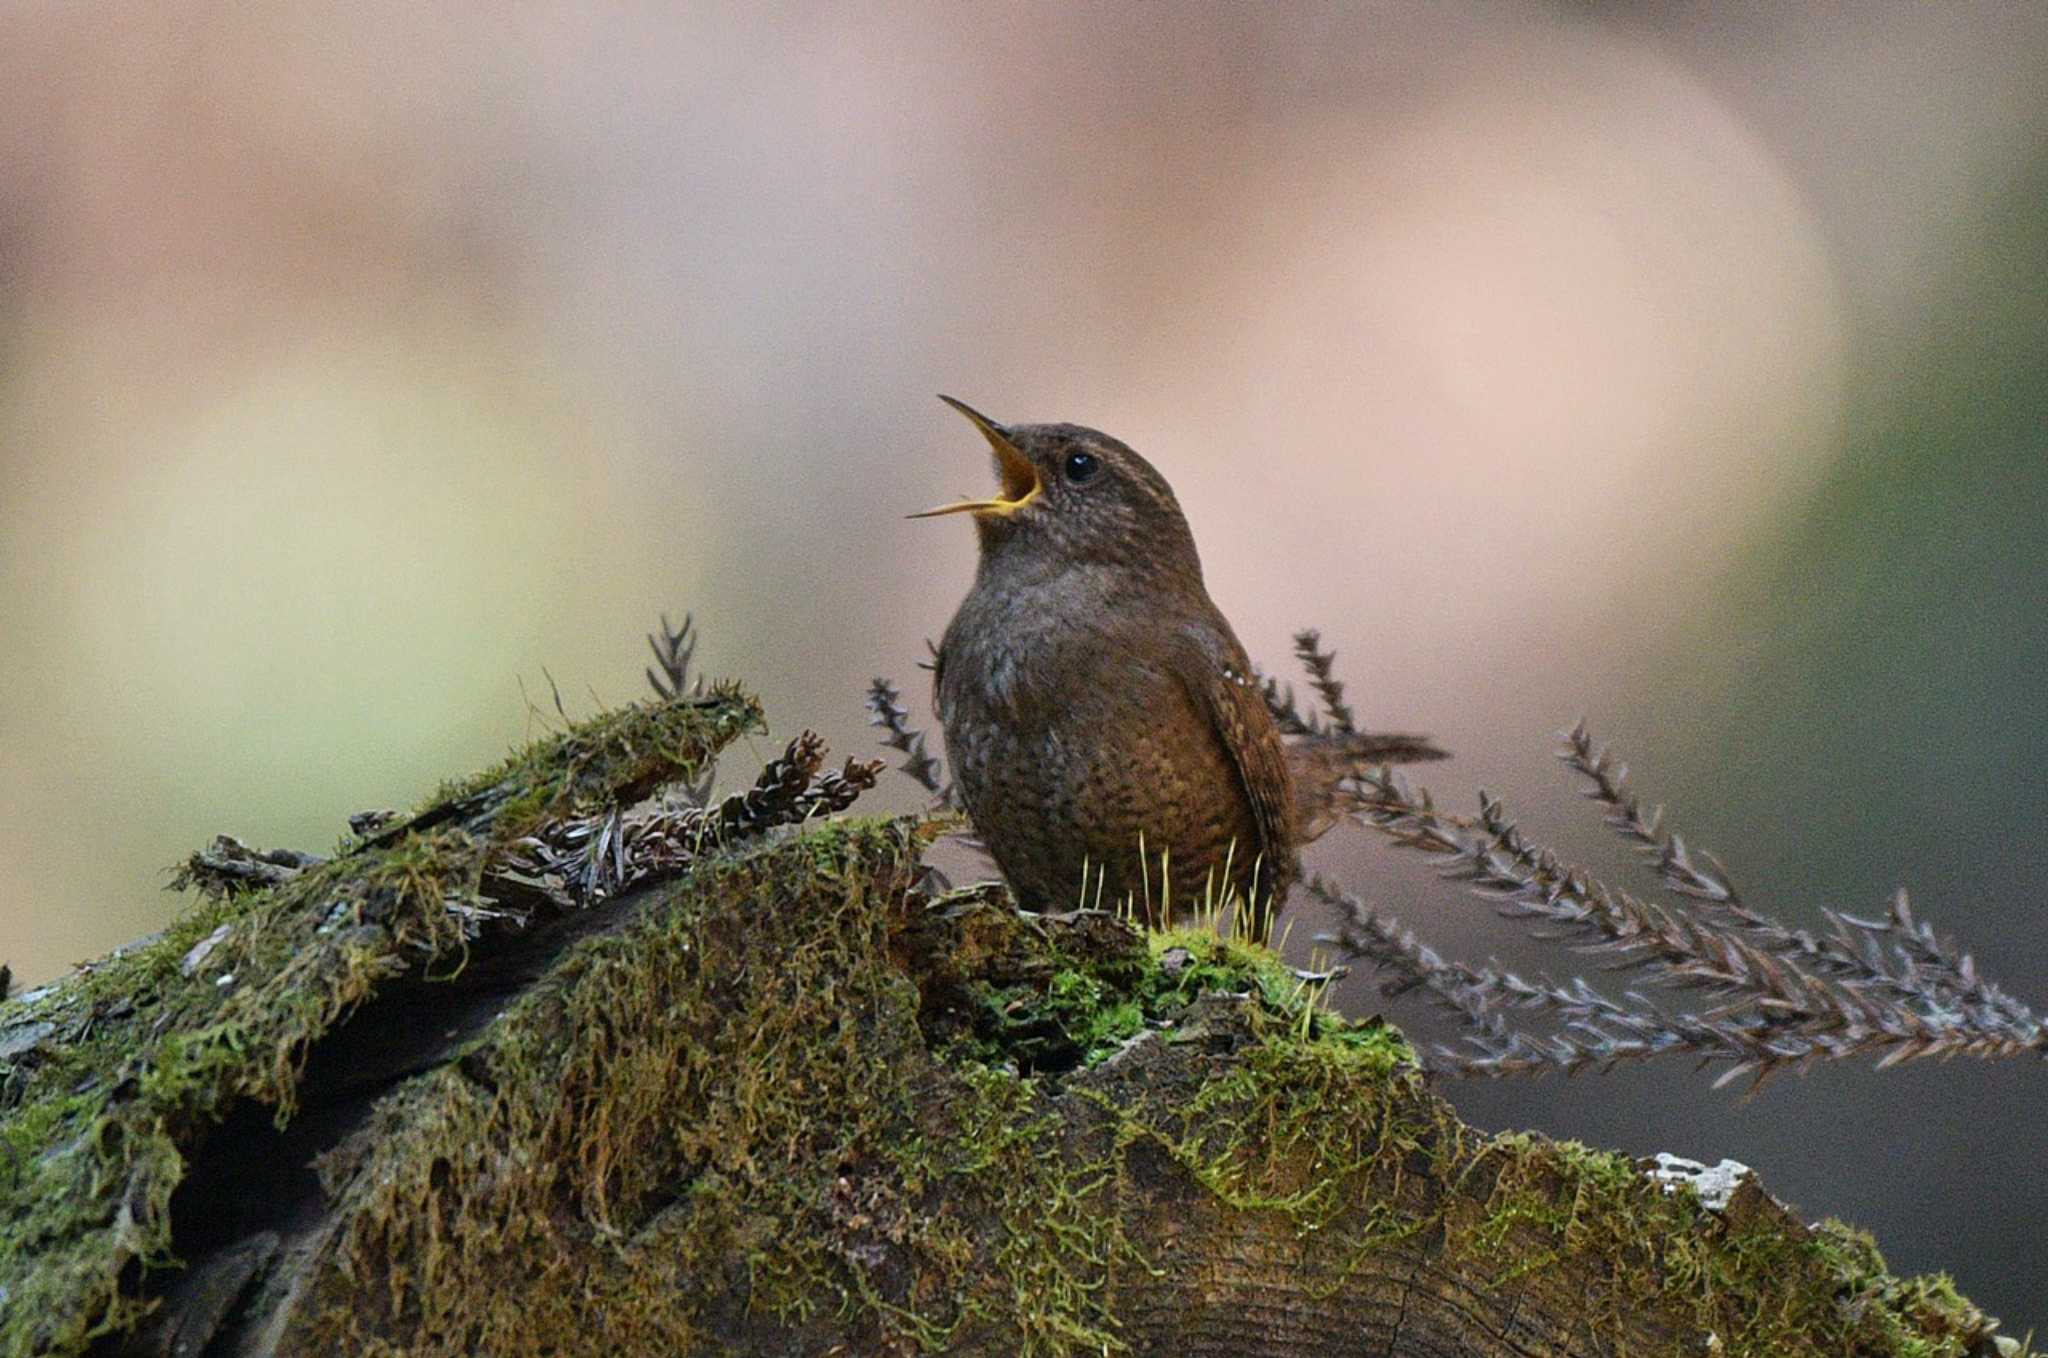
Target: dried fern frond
[
  {"x": 1896, "y": 953},
  {"x": 886, "y": 711},
  {"x": 1891, "y": 989},
  {"x": 596, "y": 856},
  {"x": 673, "y": 650},
  {"x": 1334, "y": 717},
  {"x": 1321, "y": 666},
  {"x": 1328, "y": 743},
  {"x": 1472, "y": 995}
]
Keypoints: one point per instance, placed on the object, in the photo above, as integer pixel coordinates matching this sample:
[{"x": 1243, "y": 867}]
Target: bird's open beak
[{"x": 1020, "y": 479}]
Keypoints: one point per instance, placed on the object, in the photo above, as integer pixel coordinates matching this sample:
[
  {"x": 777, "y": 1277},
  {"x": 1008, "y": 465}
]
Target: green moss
[
  {"x": 1044, "y": 1281},
  {"x": 1296, "y": 1121},
  {"x": 1752, "y": 1276},
  {"x": 784, "y": 1106},
  {"x": 739, "y": 1076},
  {"x": 1079, "y": 1006},
  {"x": 145, "y": 1058},
  {"x": 1324, "y": 1126},
  {"x": 621, "y": 754},
  {"x": 705, "y": 1085},
  {"x": 1922, "y": 1317},
  {"x": 122, "y": 1069}
]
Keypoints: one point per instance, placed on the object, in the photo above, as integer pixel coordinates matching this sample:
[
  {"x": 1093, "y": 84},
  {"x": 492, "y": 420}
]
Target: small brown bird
[{"x": 1109, "y": 738}]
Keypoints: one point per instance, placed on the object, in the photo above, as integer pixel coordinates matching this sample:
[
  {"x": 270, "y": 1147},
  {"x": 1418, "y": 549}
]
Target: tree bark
[{"x": 790, "y": 1103}]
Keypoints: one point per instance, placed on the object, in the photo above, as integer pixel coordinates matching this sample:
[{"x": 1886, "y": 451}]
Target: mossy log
[{"x": 788, "y": 1103}]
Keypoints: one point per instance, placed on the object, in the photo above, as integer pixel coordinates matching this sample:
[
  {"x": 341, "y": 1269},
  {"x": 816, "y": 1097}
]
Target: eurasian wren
[{"x": 1109, "y": 739}]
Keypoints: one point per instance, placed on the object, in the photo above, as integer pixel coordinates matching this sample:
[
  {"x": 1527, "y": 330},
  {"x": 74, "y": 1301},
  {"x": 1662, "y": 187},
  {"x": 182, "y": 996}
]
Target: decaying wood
[{"x": 787, "y": 1103}]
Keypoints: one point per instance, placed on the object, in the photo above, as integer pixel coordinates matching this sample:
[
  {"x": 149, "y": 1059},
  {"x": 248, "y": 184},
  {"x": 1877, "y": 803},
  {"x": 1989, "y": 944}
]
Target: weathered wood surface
[{"x": 788, "y": 1104}]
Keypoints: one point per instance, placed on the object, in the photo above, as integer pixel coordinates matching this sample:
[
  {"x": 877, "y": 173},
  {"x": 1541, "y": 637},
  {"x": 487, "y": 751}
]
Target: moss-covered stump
[{"x": 787, "y": 1105}]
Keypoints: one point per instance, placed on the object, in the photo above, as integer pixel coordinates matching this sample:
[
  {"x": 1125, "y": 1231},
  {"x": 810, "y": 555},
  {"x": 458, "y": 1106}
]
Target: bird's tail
[{"x": 1321, "y": 763}]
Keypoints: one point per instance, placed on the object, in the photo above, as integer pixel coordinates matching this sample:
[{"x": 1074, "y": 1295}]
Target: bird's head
[{"x": 1075, "y": 496}]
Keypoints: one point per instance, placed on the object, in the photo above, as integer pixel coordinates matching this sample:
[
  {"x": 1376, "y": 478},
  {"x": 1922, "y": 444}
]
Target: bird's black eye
[{"x": 1082, "y": 466}]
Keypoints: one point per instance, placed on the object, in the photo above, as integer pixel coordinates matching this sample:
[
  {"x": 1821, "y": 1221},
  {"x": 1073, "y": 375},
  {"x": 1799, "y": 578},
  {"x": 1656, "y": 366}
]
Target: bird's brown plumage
[{"x": 1094, "y": 699}]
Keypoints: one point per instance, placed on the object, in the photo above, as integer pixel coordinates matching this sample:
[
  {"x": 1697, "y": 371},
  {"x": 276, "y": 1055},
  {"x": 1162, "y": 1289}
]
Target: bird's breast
[{"x": 1016, "y": 647}]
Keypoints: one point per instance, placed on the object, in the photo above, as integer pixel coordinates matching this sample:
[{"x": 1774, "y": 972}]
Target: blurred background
[{"x": 1681, "y": 368}]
